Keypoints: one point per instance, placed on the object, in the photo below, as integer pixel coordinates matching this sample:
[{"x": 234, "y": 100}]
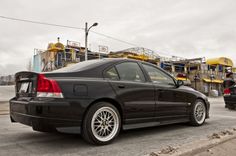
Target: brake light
[
  {"x": 48, "y": 87},
  {"x": 227, "y": 91}
]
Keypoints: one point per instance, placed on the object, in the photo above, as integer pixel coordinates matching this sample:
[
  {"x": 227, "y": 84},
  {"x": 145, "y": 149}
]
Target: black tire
[
  {"x": 195, "y": 118},
  {"x": 89, "y": 133},
  {"x": 231, "y": 107}
]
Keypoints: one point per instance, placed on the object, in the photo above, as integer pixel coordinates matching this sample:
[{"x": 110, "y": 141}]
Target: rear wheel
[
  {"x": 198, "y": 113},
  {"x": 101, "y": 124}
]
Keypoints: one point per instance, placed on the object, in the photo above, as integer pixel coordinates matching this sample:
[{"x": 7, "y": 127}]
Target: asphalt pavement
[{"x": 17, "y": 139}]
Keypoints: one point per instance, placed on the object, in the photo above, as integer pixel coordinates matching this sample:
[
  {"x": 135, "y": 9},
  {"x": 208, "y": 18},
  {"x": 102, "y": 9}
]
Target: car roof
[
  {"x": 85, "y": 65},
  {"x": 92, "y": 68}
]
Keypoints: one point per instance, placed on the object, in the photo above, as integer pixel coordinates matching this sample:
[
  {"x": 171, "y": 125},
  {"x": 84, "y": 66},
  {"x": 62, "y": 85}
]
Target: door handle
[{"x": 121, "y": 86}]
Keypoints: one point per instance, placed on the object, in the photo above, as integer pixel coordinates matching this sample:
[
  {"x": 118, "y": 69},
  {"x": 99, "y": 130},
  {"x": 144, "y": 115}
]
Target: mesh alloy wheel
[
  {"x": 105, "y": 124},
  {"x": 199, "y": 112},
  {"x": 101, "y": 124}
]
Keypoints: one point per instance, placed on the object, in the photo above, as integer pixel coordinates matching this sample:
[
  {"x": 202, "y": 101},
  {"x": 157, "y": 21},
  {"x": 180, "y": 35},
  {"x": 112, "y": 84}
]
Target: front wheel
[
  {"x": 101, "y": 124},
  {"x": 198, "y": 113}
]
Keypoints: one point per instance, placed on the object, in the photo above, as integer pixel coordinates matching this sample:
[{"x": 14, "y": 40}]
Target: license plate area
[
  {"x": 25, "y": 84},
  {"x": 24, "y": 88}
]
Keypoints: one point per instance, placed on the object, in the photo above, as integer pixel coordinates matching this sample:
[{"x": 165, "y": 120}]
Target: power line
[
  {"x": 42, "y": 23},
  {"x": 64, "y": 26},
  {"x": 113, "y": 38},
  {"x": 73, "y": 27}
]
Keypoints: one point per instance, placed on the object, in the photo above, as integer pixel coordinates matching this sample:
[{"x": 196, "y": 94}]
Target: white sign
[
  {"x": 73, "y": 44},
  {"x": 103, "y": 49}
]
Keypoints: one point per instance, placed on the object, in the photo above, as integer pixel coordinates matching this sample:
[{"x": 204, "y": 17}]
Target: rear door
[
  {"x": 133, "y": 91},
  {"x": 171, "y": 103}
]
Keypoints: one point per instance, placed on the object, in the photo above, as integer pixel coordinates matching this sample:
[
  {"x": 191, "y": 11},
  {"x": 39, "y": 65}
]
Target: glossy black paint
[
  {"x": 230, "y": 100},
  {"x": 140, "y": 104}
]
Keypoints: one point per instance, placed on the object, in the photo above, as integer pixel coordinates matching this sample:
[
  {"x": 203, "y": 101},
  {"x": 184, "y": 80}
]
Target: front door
[
  {"x": 171, "y": 103},
  {"x": 134, "y": 92}
]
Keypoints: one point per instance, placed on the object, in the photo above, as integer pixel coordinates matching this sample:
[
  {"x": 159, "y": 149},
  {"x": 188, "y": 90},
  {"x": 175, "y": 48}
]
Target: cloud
[{"x": 187, "y": 28}]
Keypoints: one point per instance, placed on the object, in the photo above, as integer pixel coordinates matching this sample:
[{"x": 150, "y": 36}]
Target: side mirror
[{"x": 180, "y": 83}]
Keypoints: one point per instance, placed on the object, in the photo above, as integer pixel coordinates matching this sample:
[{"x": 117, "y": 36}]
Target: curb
[
  {"x": 4, "y": 107},
  {"x": 4, "y": 112},
  {"x": 190, "y": 149},
  {"x": 198, "y": 147},
  {"x": 4, "y": 100}
]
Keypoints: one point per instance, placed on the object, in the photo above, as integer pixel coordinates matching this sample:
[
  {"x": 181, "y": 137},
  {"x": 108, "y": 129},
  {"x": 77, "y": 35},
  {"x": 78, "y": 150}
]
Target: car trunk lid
[
  {"x": 31, "y": 84},
  {"x": 26, "y": 83}
]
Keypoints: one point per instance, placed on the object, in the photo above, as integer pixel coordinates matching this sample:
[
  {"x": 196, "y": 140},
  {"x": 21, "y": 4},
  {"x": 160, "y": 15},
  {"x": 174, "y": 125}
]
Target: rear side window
[
  {"x": 130, "y": 71},
  {"x": 112, "y": 74}
]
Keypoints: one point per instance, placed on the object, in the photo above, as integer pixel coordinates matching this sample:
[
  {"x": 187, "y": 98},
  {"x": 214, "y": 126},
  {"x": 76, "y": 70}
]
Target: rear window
[{"x": 81, "y": 66}]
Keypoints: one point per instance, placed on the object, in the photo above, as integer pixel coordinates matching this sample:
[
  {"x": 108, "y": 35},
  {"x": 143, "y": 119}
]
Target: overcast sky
[{"x": 186, "y": 28}]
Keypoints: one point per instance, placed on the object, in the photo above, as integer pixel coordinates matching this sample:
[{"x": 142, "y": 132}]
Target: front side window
[
  {"x": 158, "y": 76},
  {"x": 130, "y": 71}
]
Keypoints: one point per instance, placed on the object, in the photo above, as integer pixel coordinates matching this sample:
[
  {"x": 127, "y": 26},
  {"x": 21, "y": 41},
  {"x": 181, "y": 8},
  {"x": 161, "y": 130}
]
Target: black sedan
[
  {"x": 230, "y": 93},
  {"x": 98, "y": 98}
]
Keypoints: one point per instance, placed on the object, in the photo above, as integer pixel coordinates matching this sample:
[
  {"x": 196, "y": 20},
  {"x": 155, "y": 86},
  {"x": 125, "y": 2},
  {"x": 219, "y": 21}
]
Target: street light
[{"x": 86, "y": 38}]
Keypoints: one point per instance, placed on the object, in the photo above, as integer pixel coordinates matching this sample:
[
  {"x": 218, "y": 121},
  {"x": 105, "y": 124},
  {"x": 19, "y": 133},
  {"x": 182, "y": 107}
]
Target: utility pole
[
  {"x": 86, "y": 41},
  {"x": 86, "y": 38}
]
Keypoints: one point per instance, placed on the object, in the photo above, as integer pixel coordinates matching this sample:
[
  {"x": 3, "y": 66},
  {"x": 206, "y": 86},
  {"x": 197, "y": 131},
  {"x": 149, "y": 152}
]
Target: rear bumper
[
  {"x": 230, "y": 100},
  {"x": 44, "y": 115}
]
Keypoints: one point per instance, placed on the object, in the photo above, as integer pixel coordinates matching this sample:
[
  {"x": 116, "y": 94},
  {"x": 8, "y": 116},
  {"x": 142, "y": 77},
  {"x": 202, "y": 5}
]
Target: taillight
[
  {"x": 227, "y": 91},
  {"x": 48, "y": 87}
]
